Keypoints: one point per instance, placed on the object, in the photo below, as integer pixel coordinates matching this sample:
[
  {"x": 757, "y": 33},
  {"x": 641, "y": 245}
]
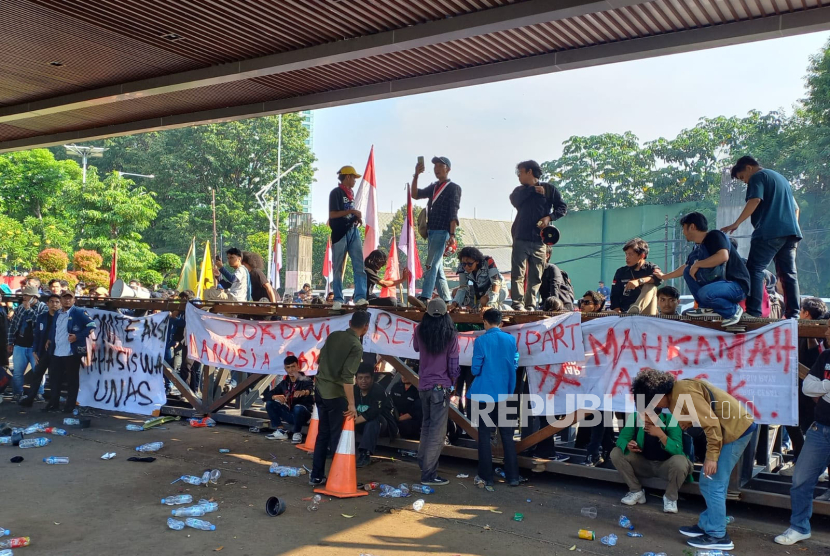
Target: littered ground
[{"x": 98, "y": 507}]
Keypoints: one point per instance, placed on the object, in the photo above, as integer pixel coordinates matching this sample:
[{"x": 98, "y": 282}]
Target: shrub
[
  {"x": 53, "y": 260},
  {"x": 87, "y": 261},
  {"x": 149, "y": 278},
  {"x": 166, "y": 263},
  {"x": 45, "y": 276},
  {"x": 94, "y": 278}
]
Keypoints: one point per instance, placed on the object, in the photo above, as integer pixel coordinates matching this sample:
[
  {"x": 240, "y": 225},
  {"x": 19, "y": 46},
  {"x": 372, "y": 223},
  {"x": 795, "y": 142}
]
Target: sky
[{"x": 486, "y": 129}]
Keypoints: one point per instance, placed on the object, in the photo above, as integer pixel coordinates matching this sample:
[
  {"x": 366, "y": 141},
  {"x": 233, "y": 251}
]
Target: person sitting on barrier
[
  {"x": 592, "y": 302},
  {"x": 291, "y": 401},
  {"x": 236, "y": 281},
  {"x": 815, "y": 454},
  {"x": 668, "y": 298},
  {"x": 552, "y": 304},
  {"x": 714, "y": 271},
  {"x": 374, "y": 414},
  {"x": 480, "y": 283},
  {"x": 647, "y": 448},
  {"x": 728, "y": 426},
  {"x": 372, "y": 264},
  {"x": 495, "y": 359},
  {"x": 634, "y": 285},
  {"x": 261, "y": 288},
  {"x": 407, "y": 404},
  {"x": 556, "y": 283}
]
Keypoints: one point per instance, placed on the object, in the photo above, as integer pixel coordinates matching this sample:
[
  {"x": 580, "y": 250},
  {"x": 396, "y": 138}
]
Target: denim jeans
[
  {"x": 297, "y": 417},
  {"x": 761, "y": 253},
  {"x": 436, "y": 409},
  {"x": 713, "y": 490},
  {"x": 485, "y": 450},
  {"x": 22, "y": 357},
  {"x": 813, "y": 460},
  {"x": 352, "y": 245},
  {"x": 721, "y": 296},
  {"x": 434, "y": 271}
]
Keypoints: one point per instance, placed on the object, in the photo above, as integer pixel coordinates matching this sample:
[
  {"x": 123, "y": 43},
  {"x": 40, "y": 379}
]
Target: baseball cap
[
  {"x": 436, "y": 307},
  {"x": 442, "y": 160},
  {"x": 30, "y": 290},
  {"x": 348, "y": 171},
  {"x": 68, "y": 293}
]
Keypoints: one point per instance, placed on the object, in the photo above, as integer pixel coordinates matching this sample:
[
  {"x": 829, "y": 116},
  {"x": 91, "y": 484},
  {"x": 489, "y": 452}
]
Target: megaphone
[
  {"x": 122, "y": 290},
  {"x": 550, "y": 235}
]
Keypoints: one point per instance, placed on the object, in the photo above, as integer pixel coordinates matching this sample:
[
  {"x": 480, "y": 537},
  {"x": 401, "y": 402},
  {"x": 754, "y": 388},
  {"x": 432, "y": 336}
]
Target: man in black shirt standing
[
  {"x": 444, "y": 199},
  {"x": 537, "y": 205},
  {"x": 344, "y": 220},
  {"x": 715, "y": 273},
  {"x": 815, "y": 454},
  {"x": 634, "y": 289}
]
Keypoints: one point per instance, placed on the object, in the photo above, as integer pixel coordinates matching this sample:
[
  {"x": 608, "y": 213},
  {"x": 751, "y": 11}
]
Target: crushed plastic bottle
[
  {"x": 423, "y": 489},
  {"x": 6, "y": 552},
  {"x": 55, "y": 430},
  {"x": 712, "y": 553},
  {"x": 206, "y": 477},
  {"x": 404, "y": 488},
  {"x": 208, "y": 506},
  {"x": 190, "y": 479},
  {"x": 633, "y": 534},
  {"x": 5, "y": 440},
  {"x": 388, "y": 491},
  {"x": 418, "y": 505},
  {"x": 189, "y": 511},
  {"x": 654, "y": 554},
  {"x": 214, "y": 476},
  {"x": 408, "y": 453},
  {"x": 500, "y": 472},
  {"x": 56, "y": 460},
  {"x": 150, "y": 447},
  {"x": 16, "y": 542},
  {"x": 37, "y": 427},
  {"x": 71, "y": 421},
  {"x": 34, "y": 442},
  {"x": 610, "y": 540},
  {"x": 625, "y": 523},
  {"x": 253, "y": 429},
  {"x": 199, "y": 524},
  {"x": 177, "y": 499},
  {"x": 175, "y": 524},
  {"x": 285, "y": 471},
  {"x": 135, "y": 428}
]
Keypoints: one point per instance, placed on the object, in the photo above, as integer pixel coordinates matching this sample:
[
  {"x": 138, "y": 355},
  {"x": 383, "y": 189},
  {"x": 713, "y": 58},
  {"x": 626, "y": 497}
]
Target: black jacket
[
  {"x": 532, "y": 207},
  {"x": 287, "y": 388},
  {"x": 43, "y": 324},
  {"x": 376, "y": 405},
  {"x": 555, "y": 283},
  {"x": 4, "y": 336},
  {"x": 622, "y": 277},
  {"x": 407, "y": 401}
]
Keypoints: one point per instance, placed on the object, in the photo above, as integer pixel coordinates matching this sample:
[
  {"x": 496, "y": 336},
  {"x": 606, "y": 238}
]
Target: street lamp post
[
  {"x": 149, "y": 176},
  {"x": 85, "y": 153}
]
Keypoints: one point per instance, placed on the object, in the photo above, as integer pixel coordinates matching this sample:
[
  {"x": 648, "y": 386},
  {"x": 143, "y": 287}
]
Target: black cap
[{"x": 442, "y": 160}]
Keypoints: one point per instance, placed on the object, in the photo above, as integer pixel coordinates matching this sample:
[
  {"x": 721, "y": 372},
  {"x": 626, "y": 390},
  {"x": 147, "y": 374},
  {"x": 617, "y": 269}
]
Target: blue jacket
[
  {"x": 80, "y": 324},
  {"x": 42, "y": 334},
  {"x": 495, "y": 359}
]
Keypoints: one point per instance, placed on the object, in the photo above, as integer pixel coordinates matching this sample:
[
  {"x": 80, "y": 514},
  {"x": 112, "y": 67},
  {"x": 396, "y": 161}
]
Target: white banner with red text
[{"x": 758, "y": 368}]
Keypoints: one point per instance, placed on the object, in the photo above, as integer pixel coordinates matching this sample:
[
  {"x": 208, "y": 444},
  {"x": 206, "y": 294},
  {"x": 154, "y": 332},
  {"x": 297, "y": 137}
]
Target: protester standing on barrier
[
  {"x": 344, "y": 221},
  {"x": 339, "y": 359},
  {"x": 815, "y": 454},
  {"x": 436, "y": 340},
  {"x": 68, "y": 335},
  {"x": 728, "y": 427},
  {"x": 774, "y": 214}
]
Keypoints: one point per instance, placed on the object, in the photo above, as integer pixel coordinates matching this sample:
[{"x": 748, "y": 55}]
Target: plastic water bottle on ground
[
  {"x": 418, "y": 505},
  {"x": 654, "y": 554},
  {"x": 175, "y": 524},
  {"x": 625, "y": 523},
  {"x": 633, "y": 534},
  {"x": 190, "y": 479},
  {"x": 6, "y": 552},
  {"x": 16, "y": 542},
  {"x": 151, "y": 447},
  {"x": 199, "y": 524},
  {"x": 71, "y": 421},
  {"x": 189, "y": 511},
  {"x": 730, "y": 519},
  {"x": 37, "y": 427},
  {"x": 5, "y": 440},
  {"x": 56, "y": 460},
  {"x": 55, "y": 430},
  {"x": 315, "y": 503},
  {"x": 408, "y": 453},
  {"x": 177, "y": 499},
  {"x": 712, "y": 553},
  {"x": 285, "y": 471},
  {"x": 500, "y": 472},
  {"x": 610, "y": 540},
  {"x": 423, "y": 489},
  {"x": 404, "y": 488},
  {"x": 4, "y": 532},
  {"x": 205, "y": 477},
  {"x": 34, "y": 442},
  {"x": 134, "y": 427},
  {"x": 388, "y": 491},
  {"x": 208, "y": 506},
  {"x": 214, "y": 476}
]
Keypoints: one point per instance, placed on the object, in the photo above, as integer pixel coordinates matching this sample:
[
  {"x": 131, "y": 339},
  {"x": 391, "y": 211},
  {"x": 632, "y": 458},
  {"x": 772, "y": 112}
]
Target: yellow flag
[
  {"x": 188, "y": 279},
  {"x": 206, "y": 279}
]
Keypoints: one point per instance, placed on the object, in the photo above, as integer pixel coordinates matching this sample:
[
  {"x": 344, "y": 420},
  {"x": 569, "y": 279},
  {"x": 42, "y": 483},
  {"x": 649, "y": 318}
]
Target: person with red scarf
[{"x": 344, "y": 221}]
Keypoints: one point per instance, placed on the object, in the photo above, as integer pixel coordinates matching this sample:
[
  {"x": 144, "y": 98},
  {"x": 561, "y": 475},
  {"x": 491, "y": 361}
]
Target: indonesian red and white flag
[
  {"x": 408, "y": 246},
  {"x": 276, "y": 261},
  {"x": 327, "y": 267},
  {"x": 367, "y": 203},
  {"x": 392, "y": 271}
]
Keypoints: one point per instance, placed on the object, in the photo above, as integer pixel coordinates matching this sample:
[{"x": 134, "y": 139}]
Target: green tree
[{"x": 34, "y": 184}]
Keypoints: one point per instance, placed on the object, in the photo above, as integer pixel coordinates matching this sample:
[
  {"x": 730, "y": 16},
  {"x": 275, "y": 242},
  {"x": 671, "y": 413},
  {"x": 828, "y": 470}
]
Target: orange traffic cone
[
  {"x": 311, "y": 437},
  {"x": 342, "y": 481}
]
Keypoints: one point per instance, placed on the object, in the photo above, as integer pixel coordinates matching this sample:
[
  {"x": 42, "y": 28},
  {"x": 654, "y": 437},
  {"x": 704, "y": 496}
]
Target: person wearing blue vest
[{"x": 67, "y": 338}]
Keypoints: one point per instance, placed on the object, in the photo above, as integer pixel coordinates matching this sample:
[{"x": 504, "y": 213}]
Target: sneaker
[
  {"x": 633, "y": 310},
  {"x": 560, "y": 458},
  {"x": 693, "y": 531},
  {"x": 416, "y": 302},
  {"x": 824, "y": 497},
  {"x": 40, "y": 398},
  {"x": 277, "y": 435},
  {"x": 669, "y": 506},
  {"x": 361, "y": 303},
  {"x": 791, "y": 536},
  {"x": 787, "y": 470},
  {"x": 364, "y": 459},
  {"x": 316, "y": 482},
  {"x": 593, "y": 461},
  {"x": 336, "y": 306},
  {"x": 297, "y": 438},
  {"x": 437, "y": 481},
  {"x": 711, "y": 543},
  {"x": 699, "y": 312},
  {"x": 823, "y": 478},
  {"x": 735, "y": 319},
  {"x": 634, "y": 498}
]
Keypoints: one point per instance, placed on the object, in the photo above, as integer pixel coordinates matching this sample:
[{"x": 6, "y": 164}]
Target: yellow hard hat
[{"x": 348, "y": 171}]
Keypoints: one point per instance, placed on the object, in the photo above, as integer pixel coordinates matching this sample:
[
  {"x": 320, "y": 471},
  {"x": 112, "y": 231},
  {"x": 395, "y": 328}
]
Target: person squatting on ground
[
  {"x": 436, "y": 341},
  {"x": 339, "y": 360},
  {"x": 634, "y": 285},
  {"x": 291, "y": 400},
  {"x": 374, "y": 414},
  {"x": 408, "y": 411}
]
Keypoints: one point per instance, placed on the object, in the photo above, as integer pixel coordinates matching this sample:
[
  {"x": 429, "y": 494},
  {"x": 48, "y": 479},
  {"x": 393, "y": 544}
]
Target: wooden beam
[
  {"x": 174, "y": 377},
  {"x": 251, "y": 379},
  {"x": 550, "y": 430}
]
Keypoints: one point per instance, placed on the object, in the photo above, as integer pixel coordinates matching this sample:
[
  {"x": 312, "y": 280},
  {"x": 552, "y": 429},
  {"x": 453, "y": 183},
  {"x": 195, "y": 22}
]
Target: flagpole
[{"x": 213, "y": 206}]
